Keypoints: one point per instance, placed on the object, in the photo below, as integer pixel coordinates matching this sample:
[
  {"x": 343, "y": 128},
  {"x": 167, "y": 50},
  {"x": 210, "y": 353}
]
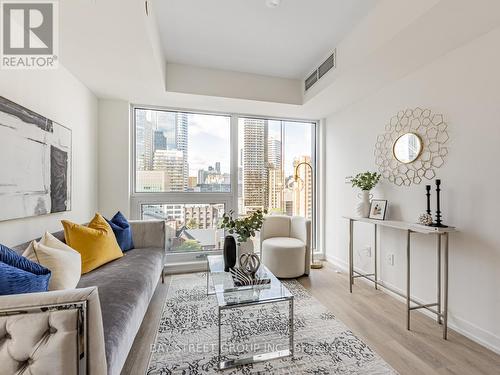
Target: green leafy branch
[
  {"x": 366, "y": 180},
  {"x": 245, "y": 227}
]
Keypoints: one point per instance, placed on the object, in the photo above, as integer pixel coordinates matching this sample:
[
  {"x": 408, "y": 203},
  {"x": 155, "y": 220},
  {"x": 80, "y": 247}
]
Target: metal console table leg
[
  {"x": 408, "y": 280},
  {"x": 351, "y": 260},
  {"x": 375, "y": 257},
  {"x": 445, "y": 291}
]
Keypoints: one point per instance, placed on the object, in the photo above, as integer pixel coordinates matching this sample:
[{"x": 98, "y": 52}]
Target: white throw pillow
[{"x": 64, "y": 262}]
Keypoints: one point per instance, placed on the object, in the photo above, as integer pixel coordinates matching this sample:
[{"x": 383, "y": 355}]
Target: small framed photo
[{"x": 377, "y": 209}]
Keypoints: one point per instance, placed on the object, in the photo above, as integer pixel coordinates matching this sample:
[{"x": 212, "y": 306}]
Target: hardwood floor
[{"x": 377, "y": 318}]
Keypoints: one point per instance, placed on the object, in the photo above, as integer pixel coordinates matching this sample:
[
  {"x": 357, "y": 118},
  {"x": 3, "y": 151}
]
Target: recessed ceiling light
[{"x": 273, "y": 3}]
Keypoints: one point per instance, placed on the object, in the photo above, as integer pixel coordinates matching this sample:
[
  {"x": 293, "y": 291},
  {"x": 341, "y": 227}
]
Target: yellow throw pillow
[{"x": 96, "y": 242}]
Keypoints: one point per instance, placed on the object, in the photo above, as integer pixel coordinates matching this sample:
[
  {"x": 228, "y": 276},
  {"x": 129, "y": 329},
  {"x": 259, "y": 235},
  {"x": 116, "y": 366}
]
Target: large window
[
  {"x": 181, "y": 152},
  {"x": 275, "y": 166},
  {"x": 190, "y": 168}
]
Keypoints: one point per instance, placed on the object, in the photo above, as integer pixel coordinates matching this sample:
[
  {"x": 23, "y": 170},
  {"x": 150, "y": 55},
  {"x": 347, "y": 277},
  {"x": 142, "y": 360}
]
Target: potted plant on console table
[
  {"x": 244, "y": 228},
  {"x": 365, "y": 181}
]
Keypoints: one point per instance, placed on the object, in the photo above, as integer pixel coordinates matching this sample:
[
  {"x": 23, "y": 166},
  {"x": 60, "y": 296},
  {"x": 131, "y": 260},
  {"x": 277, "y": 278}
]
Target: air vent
[
  {"x": 324, "y": 68},
  {"x": 311, "y": 80}
]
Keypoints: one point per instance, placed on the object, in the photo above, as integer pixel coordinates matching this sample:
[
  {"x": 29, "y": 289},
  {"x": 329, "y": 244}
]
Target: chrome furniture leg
[
  {"x": 351, "y": 260},
  {"x": 220, "y": 338},
  {"x": 445, "y": 291},
  {"x": 291, "y": 327},
  {"x": 408, "y": 268},
  {"x": 258, "y": 357},
  {"x": 439, "y": 278},
  {"x": 375, "y": 258}
]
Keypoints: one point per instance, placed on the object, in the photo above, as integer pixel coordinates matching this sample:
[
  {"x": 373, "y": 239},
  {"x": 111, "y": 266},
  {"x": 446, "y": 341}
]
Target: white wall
[
  {"x": 463, "y": 85},
  {"x": 59, "y": 96},
  {"x": 114, "y": 157},
  {"x": 213, "y": 82}
]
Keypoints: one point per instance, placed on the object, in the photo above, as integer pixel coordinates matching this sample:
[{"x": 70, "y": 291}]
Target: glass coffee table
[{"x": 229, "y": 296}]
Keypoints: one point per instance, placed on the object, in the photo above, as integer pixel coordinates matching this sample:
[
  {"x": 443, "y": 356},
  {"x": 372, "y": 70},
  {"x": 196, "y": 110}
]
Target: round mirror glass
[{"x": 407, "y": 148}]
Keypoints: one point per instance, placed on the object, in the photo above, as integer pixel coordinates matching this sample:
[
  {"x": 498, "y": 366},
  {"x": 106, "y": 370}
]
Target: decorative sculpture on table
[
  {"x": 426, "y": 219},
  {"x": 249, "y": 263},
  {"x": 412, "y": 147},
  {"x": 246, "y": 273}
]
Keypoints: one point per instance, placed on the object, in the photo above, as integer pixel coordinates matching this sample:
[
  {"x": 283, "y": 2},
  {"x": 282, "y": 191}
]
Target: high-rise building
[
  {"x": 172, "y": 162},
  {"x": 181, "y": 142},
  {"x": 255, "y": 164},
  {"x": 152, "y": 181},
  {"x": 288, "y": 202},
  {"x": 201, "y": 216},
  {"x": 192, "y": 182},
  {"x": 275, "y": 174},
  {"x": 144, "y": 135},
  {"x": 274, "y": 152},
  {"x": 275, "y": 188},
  {"x": 162, "y": 144},
  {"x": 303, "y": 189},
  {"x": 217, "y": 166},
  {"x": 160, "y": 141}
]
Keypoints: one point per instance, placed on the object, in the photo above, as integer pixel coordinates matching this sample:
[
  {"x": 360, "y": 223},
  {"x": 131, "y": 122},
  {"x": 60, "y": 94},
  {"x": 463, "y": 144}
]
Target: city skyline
[{"x": 208, "y": 137}]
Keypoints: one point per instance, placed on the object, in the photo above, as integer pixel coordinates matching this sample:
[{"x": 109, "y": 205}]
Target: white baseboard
[{"x": 465, "y": 328}]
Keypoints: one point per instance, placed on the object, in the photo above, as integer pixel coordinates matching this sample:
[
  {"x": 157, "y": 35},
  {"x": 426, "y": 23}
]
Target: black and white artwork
[{"x": 35, "y": 160}]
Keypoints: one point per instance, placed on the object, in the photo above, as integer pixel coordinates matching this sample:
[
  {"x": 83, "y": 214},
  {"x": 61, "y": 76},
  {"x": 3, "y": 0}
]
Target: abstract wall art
[{"x": 35, "y": 163}]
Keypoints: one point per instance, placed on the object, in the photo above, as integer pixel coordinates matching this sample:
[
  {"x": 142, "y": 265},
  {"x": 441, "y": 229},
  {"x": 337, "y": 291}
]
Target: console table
[{"x": 441, "y": 305}]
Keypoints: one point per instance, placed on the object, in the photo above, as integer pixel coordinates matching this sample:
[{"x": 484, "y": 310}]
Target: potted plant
[
  {"x": 365, "y": 181},
  {"x": 243, "y": 229}
]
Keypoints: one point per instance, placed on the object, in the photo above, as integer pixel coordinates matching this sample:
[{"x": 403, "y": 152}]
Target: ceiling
[
  {"x": 123, "y": 58},
  {"x": 247, "y": 36}
]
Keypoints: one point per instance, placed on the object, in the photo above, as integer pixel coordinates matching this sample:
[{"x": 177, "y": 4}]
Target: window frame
[{"x": 230, "y": 200}]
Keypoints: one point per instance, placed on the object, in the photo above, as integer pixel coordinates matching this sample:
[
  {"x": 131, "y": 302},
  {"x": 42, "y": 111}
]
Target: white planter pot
[{"x": 363, "y": 207}]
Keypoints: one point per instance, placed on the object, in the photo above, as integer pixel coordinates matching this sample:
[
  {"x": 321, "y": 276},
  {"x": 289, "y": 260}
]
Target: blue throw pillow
[
  {"x": 122, "y": 231},
  {"x": 20, "y": 275}
]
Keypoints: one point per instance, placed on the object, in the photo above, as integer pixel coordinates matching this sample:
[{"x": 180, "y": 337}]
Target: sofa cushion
[
  {"x": 22, "y": 247},
  {"x": 96, "y": 242},
  {"x": 64, "y": 262},
  {"x": 20, "y": 275},
  {"x": 123, "y": 232},
  {"x": 125, "y": 287}
]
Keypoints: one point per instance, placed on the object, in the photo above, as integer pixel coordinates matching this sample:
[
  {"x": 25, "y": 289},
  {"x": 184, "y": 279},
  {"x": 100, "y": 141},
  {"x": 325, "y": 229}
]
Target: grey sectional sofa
[{"x": 88, "y": 330}]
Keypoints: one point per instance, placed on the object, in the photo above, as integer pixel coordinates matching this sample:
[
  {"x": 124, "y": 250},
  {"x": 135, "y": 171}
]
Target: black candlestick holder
[
  {"x": 438, "y": 222},
  {"x": 428, "y": 194}
]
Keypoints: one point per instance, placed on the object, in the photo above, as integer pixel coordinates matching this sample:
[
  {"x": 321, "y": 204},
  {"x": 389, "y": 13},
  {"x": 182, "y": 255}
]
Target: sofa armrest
[
  {"x": 148, "y": 233},
  {"x": 57, "y": 332}
]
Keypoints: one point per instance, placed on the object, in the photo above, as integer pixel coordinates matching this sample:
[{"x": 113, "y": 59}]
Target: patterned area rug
[{"x": 187, "y": 337}]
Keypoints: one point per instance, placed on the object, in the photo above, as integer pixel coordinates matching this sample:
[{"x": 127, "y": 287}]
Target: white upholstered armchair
[{"x": 285, "y": 244}]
